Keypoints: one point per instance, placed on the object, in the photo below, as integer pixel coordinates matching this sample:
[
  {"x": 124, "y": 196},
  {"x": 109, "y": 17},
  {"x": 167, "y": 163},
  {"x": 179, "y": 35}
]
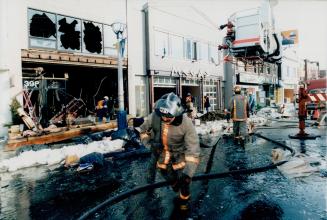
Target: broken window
[
  {"x": 60, "y": 32},
  {"x": 110, "y": 41},
  {"x": 92, "y": 37},
  {"x": 69, "y": 33},
  {"x": 42, "y": 29}
]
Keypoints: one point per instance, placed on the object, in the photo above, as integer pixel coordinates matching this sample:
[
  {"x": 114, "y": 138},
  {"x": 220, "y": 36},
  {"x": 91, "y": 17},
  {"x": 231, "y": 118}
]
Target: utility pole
[
  {"x": 119, "y": 29},
  {"x": 305, "y": 70},
  {"x": 229, "y": 75}
]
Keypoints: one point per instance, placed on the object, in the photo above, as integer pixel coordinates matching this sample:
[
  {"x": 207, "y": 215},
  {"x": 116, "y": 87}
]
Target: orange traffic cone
[{"x": 316, "y": 114}]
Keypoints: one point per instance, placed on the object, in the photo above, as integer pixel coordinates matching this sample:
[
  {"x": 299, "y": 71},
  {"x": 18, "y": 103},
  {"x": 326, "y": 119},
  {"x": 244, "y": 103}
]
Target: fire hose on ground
[{"x": 206, "y": 176}]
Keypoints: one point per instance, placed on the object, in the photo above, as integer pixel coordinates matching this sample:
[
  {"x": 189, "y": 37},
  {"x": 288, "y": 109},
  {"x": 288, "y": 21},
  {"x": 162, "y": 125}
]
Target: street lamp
[{"x": 119, "y": 29}]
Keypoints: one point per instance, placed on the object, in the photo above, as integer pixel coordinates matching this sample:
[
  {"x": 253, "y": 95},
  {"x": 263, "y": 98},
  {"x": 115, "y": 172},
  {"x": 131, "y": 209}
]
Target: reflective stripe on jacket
[
  {"x": 239, "y": 108},
  {"x": 179, "y": 143}
]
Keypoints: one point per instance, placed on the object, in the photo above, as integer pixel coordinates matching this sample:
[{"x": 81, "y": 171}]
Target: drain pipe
[{"x": 124, "y": 195}]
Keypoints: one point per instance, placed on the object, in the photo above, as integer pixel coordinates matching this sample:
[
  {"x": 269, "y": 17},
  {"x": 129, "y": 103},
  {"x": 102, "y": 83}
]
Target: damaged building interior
[{"x": 50, "y": 88}]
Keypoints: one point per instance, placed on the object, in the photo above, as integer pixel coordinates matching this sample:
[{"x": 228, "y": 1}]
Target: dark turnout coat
[
  {"x": 177, "y": 144},
  {"x": 239, "y": 108}
]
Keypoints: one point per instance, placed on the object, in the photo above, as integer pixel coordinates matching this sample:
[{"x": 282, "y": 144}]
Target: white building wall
[
  {"x": 136, "y": 55},
  {"x": 184, "y": 22},
  {"x": 290, "y": 74},
  {"x": 14, "y": 33},
  {"x": 290, "y": 65}
]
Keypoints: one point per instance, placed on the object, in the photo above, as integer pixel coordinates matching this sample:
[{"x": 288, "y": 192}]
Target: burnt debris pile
[{"x": 212, "y": 116}]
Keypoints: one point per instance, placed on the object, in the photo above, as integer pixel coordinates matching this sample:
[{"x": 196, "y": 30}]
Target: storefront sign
[
  {"x": 34, "y": 84},
  {"x": 31, "y": 84}
]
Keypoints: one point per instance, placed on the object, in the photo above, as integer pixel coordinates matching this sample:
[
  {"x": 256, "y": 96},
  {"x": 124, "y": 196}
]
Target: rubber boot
[
  {"x": 184, "y": 205},
  {"x": 184, "y": 199},
  {"x": 181, "y": 207}
]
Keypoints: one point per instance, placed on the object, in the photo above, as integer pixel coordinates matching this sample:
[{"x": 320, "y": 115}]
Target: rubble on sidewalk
[
  {"x": 212, "y": 116},
  {"x": 55, "y": 156},
  {"x": 54, "y": 134}
]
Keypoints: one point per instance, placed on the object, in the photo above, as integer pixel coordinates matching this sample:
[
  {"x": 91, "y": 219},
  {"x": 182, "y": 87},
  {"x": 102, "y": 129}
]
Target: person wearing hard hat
[
  {"x": 189, "y": 106},
  {"x": 175, "y": 145},
  {"x": 102, "y": 109},
  {"x": 239, "y": 109}
]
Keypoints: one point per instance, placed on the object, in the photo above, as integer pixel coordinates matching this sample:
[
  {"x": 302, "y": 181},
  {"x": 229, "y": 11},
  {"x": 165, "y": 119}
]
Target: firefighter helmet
[
  {"x": 237, "y": 89},
  {"x": 169, "y": 105}
]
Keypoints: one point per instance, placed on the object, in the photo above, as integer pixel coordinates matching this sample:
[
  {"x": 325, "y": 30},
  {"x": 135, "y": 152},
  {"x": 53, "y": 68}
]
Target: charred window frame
[
  {"x": 69, "y": 33},
  {"x": 49, "y": 36},
  {"x": 92, "y": 37},
  {"x": 42, "y": 30}
]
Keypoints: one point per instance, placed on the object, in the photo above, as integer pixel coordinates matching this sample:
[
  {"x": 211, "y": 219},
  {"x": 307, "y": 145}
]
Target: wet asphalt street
[{"x": 55, "y": 193}]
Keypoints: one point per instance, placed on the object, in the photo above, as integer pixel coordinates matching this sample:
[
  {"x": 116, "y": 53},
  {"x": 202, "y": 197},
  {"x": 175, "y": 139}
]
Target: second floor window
[
  {"x": 161, "y": 44},
  {"x": 176, "y": 45},
  {"x": 188, "y": 49},
  {"x": 194, "y": 50}
]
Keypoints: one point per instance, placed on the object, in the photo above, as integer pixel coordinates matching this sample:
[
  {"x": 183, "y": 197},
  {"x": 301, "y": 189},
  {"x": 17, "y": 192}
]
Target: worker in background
[
  {"x": 189, "y": 103},
  {"x": 189, "y": 100},
  {"x": 251, "y": 103},
  {"x": 102, "y": 109},
  {"x": 207, "y": 103},
  {"x": 175, "y": 145},
  {"x": 239, "y": 109}
]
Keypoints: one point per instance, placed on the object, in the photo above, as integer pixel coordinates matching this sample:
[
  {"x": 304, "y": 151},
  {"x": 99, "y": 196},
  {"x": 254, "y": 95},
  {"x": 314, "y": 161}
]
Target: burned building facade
[{"x": 56, "y": 54}]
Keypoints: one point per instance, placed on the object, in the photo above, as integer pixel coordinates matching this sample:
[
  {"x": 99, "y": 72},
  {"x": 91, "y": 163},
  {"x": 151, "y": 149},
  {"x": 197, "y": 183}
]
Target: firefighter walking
[
  {"x": 175, "y": 145},
  {"x": 239, "y": 109}
]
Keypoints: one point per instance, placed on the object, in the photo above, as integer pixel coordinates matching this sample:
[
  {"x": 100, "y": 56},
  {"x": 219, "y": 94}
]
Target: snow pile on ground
[
  {"x": 257, "y": 120},
  {"x": 300, "y": 165},
  {"x": 268, "y": 112},
  {"x": 287, "y": 111},
  {"x": 212, "y": 128},
  {"x": 222, "y": 127},
  {"x": 55, "y": 156}
]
